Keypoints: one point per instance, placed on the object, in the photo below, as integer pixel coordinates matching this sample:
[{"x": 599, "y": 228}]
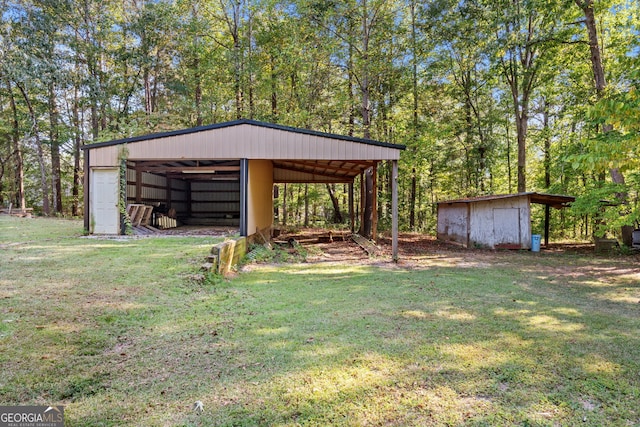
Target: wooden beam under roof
[
  {"x": 346, "y": 177},
  {"x": 190, "y": 169},
  {"x": 328, "y": 165},
  {"x": 203, "y": 177}
]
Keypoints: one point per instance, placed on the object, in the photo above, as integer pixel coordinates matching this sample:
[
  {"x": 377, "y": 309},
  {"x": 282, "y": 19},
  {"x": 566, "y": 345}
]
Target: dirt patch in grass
[{"x": 419, "y": 251}]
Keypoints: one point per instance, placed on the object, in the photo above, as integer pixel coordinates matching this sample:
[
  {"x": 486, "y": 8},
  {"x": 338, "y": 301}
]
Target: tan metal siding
[
  {"x": 259, "y": 196},
  {"x": 245, "y": 141},
  {"x": 104, "y": 156}
]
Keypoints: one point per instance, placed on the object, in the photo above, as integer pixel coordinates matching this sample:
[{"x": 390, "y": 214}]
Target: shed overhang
[{"x": 554, "y": 200}]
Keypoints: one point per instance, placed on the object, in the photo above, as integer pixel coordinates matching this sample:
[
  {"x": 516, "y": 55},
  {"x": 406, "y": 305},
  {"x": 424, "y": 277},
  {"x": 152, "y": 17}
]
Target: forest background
[{"x": 489, "y": 96}]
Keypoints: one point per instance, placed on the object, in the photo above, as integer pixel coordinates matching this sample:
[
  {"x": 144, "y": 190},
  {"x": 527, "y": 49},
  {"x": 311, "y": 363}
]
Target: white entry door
[
  {"x": 105, "y": 215},
  {"x": 506, "y": 226}
]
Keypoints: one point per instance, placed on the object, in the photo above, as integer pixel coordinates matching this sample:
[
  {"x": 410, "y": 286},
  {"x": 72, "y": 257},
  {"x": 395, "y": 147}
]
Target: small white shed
[{"x": 497, "y": 221}]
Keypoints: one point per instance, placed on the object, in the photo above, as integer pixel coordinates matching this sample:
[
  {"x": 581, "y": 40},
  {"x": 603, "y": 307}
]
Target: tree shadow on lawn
[
  {"x": 368, "y": 346},
  {"x": 523, "y": 340}
]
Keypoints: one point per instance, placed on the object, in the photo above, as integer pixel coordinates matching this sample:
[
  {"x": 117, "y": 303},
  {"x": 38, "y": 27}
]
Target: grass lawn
[{"x": 128, "y": 332}]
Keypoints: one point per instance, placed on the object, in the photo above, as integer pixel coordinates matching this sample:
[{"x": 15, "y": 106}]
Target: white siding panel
[
  {"x": 482, "y": 221},
  {"x": 506, "y": 226},
  {"x": 452, "y": 223}
]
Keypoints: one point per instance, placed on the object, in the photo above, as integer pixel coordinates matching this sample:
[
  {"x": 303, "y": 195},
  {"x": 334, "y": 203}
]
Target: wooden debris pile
[{"x": 21, "y": 213}]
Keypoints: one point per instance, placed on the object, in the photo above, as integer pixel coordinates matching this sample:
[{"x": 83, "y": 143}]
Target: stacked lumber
[{"x": 163, "y": 222}]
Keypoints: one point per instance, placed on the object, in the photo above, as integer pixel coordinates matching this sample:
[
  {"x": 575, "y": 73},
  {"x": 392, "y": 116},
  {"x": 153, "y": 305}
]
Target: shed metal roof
[{"x": 554, "y": 200}]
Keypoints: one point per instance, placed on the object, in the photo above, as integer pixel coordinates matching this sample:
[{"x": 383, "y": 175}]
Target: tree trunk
[
  {"x": 306, "y": 205},
  {"x": 547, "y": 145},
  {"x": 274, "y": 90},
  {"x": 198, "y": 91},
  {"x": 36, "y": 134},
  {"x": 366, "y": 227},
  {"x": 507, "y": 126},
  {"x": 367, "y": 219},
  {"x": 284, "y": 205},
  {"x": 252, "y": 108},
  {"x": 598, "y": 72},
  {"x": 197, "y": 71},
  {"x": 56, "y": 183},
  {"x": 337, "y": 215},
  {"x": 522, "y": 122},
  {"x": 147, "y": 95},
  {"x": 77, "y": 142},
  {"x": 17, "y": 149}
]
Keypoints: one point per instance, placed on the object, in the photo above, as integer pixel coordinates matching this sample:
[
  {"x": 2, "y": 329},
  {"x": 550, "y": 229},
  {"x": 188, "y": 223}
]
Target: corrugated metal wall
[
  {"x": 180, "y": 197},
  {"x": 216, "y": 201}
]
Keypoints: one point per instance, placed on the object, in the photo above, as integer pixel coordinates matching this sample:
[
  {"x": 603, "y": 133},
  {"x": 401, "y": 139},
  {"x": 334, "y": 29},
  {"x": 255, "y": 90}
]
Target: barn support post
[
  {"x": 244, "y": 178},
  {"x": 138, "y": 184},
  {"x": 87, "y": 218},
  {"x": 374, "y": 202},
  {"x": 394, "y": 210},
  {"x": 352, "y": 216},
  {"x": 547, "y": 215},
  {"x": 363, "y": 196}
]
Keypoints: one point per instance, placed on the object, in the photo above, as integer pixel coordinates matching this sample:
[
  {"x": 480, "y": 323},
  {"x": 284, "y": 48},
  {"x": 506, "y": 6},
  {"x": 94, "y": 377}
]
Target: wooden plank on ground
[
  {"x": 141, "y": 231},
  {"x": 149, "y": 227},
  {"x": 367, "y": 245}
]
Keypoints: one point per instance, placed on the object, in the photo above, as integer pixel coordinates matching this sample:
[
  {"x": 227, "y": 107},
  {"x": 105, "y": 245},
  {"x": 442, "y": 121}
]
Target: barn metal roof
[
  {"x": 298, "y": 155},
  {"x": 223, "y": 125}
]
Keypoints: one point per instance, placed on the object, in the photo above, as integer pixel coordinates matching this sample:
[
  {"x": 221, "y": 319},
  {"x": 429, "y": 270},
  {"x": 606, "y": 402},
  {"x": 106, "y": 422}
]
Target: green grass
[{"x": 128, "y": 333}]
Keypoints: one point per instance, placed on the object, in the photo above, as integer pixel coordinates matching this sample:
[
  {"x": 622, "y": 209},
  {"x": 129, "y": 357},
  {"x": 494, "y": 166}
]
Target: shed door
[
  {"x": 506, "y": 226},
  {"x": 105, "y": 213}
]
